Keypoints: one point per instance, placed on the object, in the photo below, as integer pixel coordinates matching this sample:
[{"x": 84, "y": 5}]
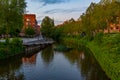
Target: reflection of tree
[
  {"x": 13, "y": 76},
  {"x": 9, "y": 69},
  {"x": 90, "y": 68},
  {"x": 47, "y": 54},
  {"x": 86, "y": 63},
  {"x": 72, "y": 56}
]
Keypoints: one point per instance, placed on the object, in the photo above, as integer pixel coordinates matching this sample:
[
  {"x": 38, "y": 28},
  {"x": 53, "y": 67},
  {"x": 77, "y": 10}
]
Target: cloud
[
  {"x": 39, "y": 21},
  {"x": 53, "y": 11},
  {"x": 56, "y": 22},
  {"x": 45, "y": 2}
]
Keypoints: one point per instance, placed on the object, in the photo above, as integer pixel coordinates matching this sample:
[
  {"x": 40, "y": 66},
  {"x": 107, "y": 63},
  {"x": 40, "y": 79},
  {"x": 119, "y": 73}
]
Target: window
[
  {"x": 27, "y": 19},
  {"x": 117, "y": 27}
]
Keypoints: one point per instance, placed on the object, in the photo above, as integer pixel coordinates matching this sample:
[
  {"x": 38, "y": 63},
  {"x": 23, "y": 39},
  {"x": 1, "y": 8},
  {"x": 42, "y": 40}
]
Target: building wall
[
  {"x": 113, "y": 28},
  {"x": 29, "y": 20}
]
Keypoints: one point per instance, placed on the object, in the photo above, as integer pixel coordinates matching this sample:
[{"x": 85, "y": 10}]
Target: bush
[
  {"x": 107, "y": 53},
  {"x": 3, "y": 52},
  {"x": 30, "y": 31},
  {"x": 16, "y": 42},
  {"x": 112, "y": 39},
  {"x": 99, "y": 37},
  {"x": 62, "y": 48},
  {"x": 13, "y": 48},
  {"x": 56, "y": 35}
]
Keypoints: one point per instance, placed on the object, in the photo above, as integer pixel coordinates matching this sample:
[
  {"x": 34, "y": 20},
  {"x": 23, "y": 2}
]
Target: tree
[
  {"x": 100, "y": 16},
  {"x": 47, "y": 26},
  {"x": 30, "y": 31},
  {"x": 11, "y": 17},
  {"x": 71, "y": 20}
]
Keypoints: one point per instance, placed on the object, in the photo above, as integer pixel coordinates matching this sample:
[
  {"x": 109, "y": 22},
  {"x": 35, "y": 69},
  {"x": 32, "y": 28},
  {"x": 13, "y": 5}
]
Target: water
[{"x": 52, "y": 65}]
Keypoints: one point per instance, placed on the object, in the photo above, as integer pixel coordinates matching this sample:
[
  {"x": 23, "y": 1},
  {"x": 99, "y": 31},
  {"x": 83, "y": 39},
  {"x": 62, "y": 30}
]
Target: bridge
[{"x": 37, "y": 43}]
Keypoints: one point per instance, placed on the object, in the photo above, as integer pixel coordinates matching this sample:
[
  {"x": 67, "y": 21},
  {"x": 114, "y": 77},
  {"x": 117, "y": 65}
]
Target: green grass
[
  {"x": 110, "y": 62},
  {"x": 106, "y": 52}
]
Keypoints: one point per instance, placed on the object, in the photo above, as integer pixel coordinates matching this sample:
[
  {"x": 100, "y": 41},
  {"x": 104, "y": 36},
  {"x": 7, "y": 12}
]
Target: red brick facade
[{"x": 30, "y": 21}]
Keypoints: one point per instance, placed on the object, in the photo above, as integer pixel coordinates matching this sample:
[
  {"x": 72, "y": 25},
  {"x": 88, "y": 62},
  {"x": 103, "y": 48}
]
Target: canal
[{"x": 47, "y": 64}]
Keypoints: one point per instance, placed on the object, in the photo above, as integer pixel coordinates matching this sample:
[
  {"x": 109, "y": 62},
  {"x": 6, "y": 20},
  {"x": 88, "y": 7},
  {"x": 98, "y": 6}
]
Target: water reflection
[
  {"x": 29, "y": 60},
  {"x": 86, "y": 64},
  {"x": 47, "y": 55},
  {"x": 9, "y": 69},
  {"x": 77, "y": 64}
]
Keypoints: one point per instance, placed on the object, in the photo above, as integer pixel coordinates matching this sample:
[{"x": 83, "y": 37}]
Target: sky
[{"x": 59, "y": 10}]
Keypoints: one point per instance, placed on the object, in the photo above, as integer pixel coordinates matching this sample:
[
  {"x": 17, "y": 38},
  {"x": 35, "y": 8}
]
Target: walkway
[{"x": 26, "y": 39}]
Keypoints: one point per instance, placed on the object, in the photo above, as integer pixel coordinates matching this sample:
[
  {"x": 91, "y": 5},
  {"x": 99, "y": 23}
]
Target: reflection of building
[
  {"x": 30, "y": 21},
  {"x": 30, "y": 60}
]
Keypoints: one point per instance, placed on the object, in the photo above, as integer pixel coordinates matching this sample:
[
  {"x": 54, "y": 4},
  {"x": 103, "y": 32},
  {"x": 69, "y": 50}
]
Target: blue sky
[{"x": 59, "y": 10}]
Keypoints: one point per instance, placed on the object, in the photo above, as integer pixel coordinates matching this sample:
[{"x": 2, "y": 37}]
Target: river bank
[
  {"x": 11, "y": 48},
  {"x": 105, "y": 52},
  {"x": 16, "y": 46},
  {"x": 48, "y": 64}
]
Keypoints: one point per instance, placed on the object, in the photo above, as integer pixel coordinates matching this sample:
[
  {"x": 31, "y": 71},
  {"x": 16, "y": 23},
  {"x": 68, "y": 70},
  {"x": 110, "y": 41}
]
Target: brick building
[
  {"x": 113, "y": 28},
  {"x": 30, "y": 21}
]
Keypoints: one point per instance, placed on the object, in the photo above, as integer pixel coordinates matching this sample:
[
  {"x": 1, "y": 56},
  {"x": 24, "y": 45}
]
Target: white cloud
[{"x": 60, "y": 12}]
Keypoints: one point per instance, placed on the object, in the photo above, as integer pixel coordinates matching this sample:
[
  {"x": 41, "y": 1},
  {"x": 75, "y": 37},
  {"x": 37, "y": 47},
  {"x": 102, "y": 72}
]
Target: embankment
[{"x": 107, "y": 53}]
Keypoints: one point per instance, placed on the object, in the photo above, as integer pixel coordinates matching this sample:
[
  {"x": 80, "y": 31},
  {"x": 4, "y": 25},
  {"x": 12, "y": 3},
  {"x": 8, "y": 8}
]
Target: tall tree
[
  {"x": 12, "y": 15},
  {"x": 47, "y": 26}
]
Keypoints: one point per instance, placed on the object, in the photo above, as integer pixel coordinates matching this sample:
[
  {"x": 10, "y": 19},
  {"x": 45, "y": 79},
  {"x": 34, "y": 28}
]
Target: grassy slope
[
  {"x": 107, "y": 53},
  {"x": 109, "y": 62}
]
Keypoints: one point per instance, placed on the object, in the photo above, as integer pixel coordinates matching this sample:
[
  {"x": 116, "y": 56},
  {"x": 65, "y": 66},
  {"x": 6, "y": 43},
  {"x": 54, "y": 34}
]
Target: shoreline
[{"x": 103, "y": 57}]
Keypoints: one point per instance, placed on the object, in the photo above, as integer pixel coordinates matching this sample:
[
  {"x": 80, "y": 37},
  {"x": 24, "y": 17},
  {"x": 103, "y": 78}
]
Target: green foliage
[
  {"x": 11, "y": 16},
  {"x": 106, "y": 52},
  {"x": 7, "y": 41},
  {"x": 94, "y": 21},
  {"x": 62, "y": 48},
  {"x": 99, "y": 37},
  {"x": 105, "y": 47},
  {"x": 112, "y": 41},
  {"x": 30, "y": 31},
  {"x": 70, "y": 28},
  {"x": 47, "y": 26},
  {"x": 13, "y": 48},
  {"x": 106, "y": 58},
  {"x": 16, "y": 42},
  {"x": 57, "y": 34},
  {"x": 99, "y": 16},
  {"x": 2, "y": 30}
]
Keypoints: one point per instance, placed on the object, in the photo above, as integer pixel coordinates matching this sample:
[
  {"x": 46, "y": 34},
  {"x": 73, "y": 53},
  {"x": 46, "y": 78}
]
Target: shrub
[
  {"x": 29, "y": 31},
  {"x": 16, "y": 42},
  {"x": 13, "y": 48},
  {"x": 112, "y": 39},
  {"x": 99, "y": 37}
]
